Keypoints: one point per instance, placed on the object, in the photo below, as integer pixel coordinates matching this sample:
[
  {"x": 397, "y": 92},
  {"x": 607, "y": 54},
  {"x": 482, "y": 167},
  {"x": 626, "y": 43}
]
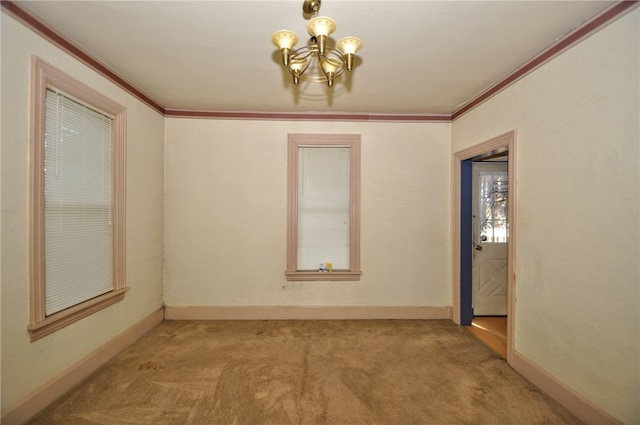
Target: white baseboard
[
  {"x": 44, "y": 395},
  {"x": 304, "y": 313},
  {"x": 567, "y": 397}
]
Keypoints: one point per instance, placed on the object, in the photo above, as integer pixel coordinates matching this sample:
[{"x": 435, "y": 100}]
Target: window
[
  {"x": 77, "y": 201},
  {"x": 493, "y": 197},
  {"x": 323, "y": 239}
]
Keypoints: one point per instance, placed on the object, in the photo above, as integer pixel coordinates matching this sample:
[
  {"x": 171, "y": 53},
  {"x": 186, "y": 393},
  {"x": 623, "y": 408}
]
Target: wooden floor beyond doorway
[{"x": 492, "y": 330}]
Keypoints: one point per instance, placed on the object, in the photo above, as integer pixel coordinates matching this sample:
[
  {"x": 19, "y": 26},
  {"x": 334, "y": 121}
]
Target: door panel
[
  {"x": 490, "y": 239},
  {"x": 490, "y": 291}
]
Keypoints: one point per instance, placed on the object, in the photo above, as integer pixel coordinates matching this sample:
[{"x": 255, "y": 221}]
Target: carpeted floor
[{"x": 306, "y": 372}]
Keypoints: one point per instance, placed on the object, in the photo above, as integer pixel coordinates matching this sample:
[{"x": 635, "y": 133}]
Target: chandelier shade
[
  {"x": 321, "y": 25},
  {"x": 285, "y": 40},
  {"x": 349, "y": 46},
  {"x": 328, "y": 62}
]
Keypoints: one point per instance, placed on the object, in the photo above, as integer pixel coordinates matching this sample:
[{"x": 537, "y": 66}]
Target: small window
[
  {"x": 77, "y": 208},
  {"x": 324, "y": 207},
  {"x": 493, "y": 213}
]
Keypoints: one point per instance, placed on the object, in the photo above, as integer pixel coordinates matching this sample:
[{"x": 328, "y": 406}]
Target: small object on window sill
[{"x": 326, "y": 267}]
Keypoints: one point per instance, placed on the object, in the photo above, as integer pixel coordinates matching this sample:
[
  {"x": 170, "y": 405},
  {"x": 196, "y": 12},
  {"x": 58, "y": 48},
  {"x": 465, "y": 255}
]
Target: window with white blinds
[
  {"x": 323, "y": 230},
  {"x": 78, "y": 203},
  {"x": 323, "y": 207}
]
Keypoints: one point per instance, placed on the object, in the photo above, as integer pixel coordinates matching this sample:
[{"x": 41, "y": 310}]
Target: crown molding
[
  {"x": 308, "y": 116},
  {"x": 578, "y": 34}
]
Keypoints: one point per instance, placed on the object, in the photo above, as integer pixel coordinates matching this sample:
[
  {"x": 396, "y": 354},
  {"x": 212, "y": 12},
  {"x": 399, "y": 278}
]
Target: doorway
[
  {"x": 490, "y": 239},
  {"x": 484, "y": 241}
]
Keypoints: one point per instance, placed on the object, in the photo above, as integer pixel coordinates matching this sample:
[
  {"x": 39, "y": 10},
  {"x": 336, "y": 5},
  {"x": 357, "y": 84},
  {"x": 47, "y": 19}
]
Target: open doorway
[
  {"x": 490, "y": 239},
  {"x": 484, "y": 236}
]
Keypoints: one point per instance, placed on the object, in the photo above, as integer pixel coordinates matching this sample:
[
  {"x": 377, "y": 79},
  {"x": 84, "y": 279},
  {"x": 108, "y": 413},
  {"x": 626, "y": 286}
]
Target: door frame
[{"x": 504, "y": 142}]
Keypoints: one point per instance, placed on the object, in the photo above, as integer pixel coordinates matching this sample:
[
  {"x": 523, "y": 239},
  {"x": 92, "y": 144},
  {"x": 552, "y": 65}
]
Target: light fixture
[{"x": 328, "y": 62}]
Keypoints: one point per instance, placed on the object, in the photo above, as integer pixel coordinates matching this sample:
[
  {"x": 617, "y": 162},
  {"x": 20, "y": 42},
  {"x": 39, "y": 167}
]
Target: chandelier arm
[
  {"x": 300, "y": 54},
  {"x": 310, "y": 54}
]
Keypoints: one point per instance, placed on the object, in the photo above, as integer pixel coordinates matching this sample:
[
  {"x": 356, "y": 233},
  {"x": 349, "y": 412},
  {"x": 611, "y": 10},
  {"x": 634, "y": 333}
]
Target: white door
[{"x": 490, "y": 239}]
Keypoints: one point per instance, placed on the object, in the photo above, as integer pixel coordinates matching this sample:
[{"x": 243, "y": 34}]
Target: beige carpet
[{"x": 306, "y": 372}]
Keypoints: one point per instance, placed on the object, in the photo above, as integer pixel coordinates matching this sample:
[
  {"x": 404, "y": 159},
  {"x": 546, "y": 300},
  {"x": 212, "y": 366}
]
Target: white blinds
[
  {"x": 324, "y": 206},
  {"x": 78, "y": 203}
]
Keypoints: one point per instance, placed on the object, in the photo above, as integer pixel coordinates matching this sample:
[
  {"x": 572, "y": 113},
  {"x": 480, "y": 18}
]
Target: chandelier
[{"x": 327, "y": 63}]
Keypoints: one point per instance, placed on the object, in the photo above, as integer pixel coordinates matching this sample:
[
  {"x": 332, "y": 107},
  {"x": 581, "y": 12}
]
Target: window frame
[
  {"x": 44, "y": 75},
  {"x": 323, "y": 140}
]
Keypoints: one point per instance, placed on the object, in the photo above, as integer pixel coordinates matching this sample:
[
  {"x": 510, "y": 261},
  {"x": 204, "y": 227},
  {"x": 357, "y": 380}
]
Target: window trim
[
  {"x": 44, "y": 75},
  {"x": 294, "y": 142}
]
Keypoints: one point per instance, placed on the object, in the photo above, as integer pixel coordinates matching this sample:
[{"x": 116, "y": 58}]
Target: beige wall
[
  {"x": 25, "y": 365},
  {"x": 577, "y": 276},
  {"x": 225, "y": 215}
]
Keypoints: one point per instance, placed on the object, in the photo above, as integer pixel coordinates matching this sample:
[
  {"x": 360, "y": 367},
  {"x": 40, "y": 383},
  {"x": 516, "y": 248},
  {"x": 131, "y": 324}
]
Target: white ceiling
[{"x": 419, "y": 57}]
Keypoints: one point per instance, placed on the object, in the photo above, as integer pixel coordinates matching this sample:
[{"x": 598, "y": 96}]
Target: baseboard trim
[
  {"x": 46, "y": 394},
  {"x": 567, "y": 397},
  {"x": 304, "y": 313}
]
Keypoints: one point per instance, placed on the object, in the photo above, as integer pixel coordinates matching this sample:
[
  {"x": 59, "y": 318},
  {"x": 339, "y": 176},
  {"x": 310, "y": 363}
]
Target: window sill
[
  {"x": 320, "y": 276},
  {"x": 73, "y": 314}
]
